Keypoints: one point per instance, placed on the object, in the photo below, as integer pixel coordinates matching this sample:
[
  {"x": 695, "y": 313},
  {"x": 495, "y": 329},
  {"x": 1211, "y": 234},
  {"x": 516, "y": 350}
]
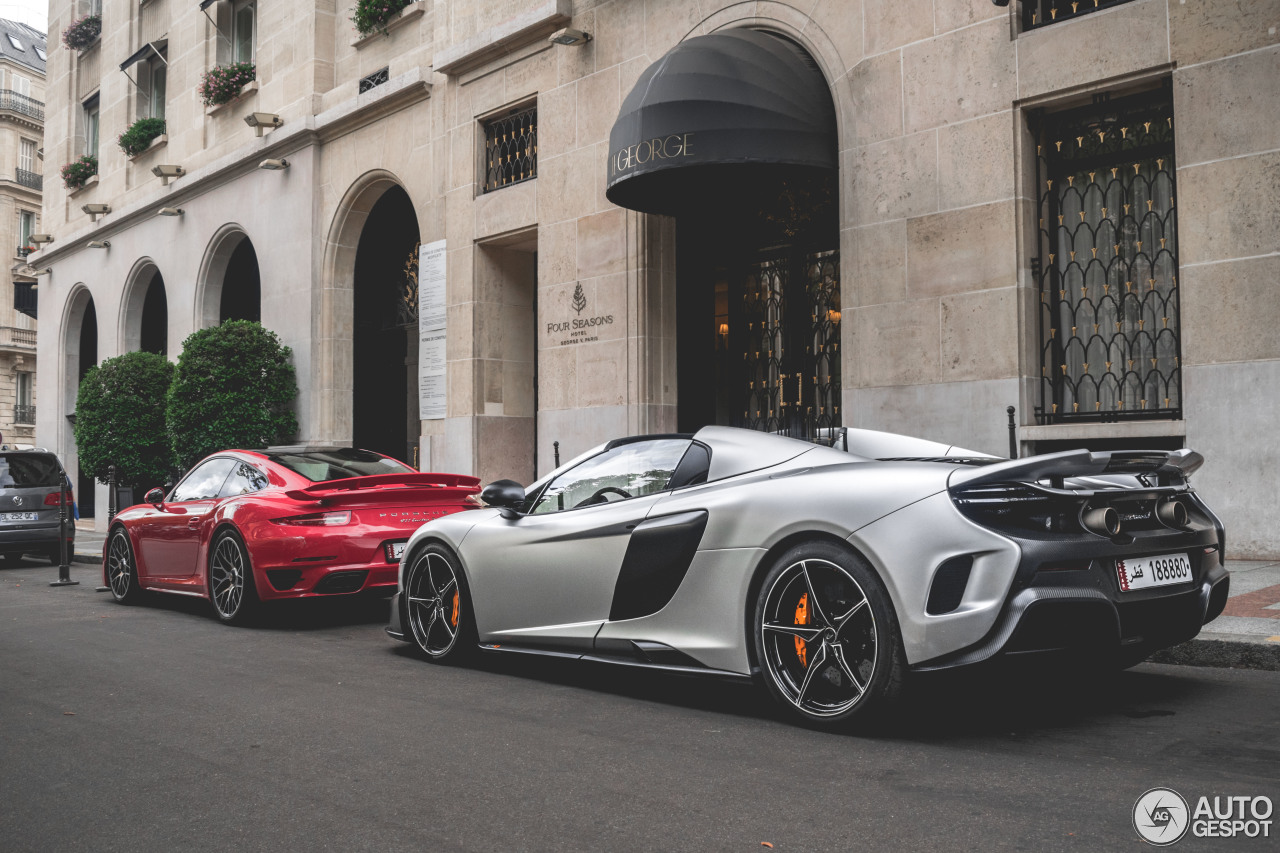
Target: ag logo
[{"x": 1161, "y": 817}]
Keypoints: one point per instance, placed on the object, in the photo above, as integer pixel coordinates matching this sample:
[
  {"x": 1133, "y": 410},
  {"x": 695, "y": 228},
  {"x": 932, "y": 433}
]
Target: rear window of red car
[{"x": 341, "y": 464}]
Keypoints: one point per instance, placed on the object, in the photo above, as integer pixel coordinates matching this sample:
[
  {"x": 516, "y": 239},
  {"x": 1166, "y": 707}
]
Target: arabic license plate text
[{"x": 1145, "y": 572}]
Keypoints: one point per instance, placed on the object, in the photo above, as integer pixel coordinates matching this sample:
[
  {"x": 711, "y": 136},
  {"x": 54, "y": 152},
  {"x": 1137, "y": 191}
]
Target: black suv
[{"x": 30, "y": 483}]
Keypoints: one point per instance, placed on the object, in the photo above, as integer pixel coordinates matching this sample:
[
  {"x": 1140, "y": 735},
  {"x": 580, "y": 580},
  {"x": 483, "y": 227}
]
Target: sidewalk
[{"x": 1245, "y": 636}]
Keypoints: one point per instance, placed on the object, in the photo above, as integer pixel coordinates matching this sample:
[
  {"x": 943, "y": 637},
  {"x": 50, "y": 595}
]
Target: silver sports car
[{"x": 828, "y": 573}]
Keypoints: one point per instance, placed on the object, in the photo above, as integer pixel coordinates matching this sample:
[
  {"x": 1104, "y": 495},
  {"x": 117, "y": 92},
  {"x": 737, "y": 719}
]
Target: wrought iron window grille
[
  {"x": 377, "y": 78},
  {"x": 510, "y": 149},
  {"x": 1107, "y": 270},
  {"x": 1041, "y": 13}
]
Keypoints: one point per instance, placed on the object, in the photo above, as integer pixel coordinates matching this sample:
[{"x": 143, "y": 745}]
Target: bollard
[
  {"x": 64, "y": 566},
  {"x": 556, "y": 446},
  {"x": 111, "y": 493},
  {"x": 1013, "y": 434}
]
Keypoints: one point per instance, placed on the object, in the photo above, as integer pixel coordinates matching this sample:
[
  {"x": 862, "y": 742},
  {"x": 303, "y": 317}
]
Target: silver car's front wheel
[
  {"x": 825, "y": 636},
  {"x": 231, "y": 586},
  {"x": 436, "y": 605}
]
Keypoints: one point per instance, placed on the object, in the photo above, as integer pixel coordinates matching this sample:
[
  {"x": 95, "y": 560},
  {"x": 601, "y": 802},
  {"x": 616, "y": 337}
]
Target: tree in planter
[
  {"x": 373, "y": 15},
  {"x": 77, "y": 172},
  {"x": 222, "y": 83},
  {"x": 234, "y": 387},
  {"x": 120, "y": 419},
  {"x": 138, "y": 137}
]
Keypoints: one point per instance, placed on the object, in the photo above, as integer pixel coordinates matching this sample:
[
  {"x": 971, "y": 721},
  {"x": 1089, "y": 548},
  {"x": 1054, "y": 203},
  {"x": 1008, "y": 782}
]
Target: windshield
[
  {"x": 29, "y": 470},
  {"x": 320, "y": 465}
]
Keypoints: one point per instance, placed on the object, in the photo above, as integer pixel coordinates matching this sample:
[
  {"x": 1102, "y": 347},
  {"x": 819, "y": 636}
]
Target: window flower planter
[
  {"x": 82, "y": 33},
  {"x": 375, "y": 17},
  {"x": 76, "y": 174},
  {"x": 140, "y": 135},
  {"x": 222, "y": 84}
]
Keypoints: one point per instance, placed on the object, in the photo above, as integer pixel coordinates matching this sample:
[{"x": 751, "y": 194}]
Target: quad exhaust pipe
[
  {"x": 1172, "y": 513},
  {"x": 1103, "y": 520}
]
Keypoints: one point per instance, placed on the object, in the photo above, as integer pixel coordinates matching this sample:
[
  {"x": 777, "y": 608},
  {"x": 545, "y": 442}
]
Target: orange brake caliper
[
  {"x": 453, "y": 618},
  {"x": 802, "y": 618}
]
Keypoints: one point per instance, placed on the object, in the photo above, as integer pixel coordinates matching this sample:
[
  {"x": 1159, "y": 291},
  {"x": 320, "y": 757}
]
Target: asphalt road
[{"x": 156, "y": 728}]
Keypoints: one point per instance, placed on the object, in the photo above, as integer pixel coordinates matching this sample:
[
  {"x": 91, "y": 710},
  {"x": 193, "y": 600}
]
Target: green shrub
[
  {"x": 138, "y": 137},
  {"x": 75, "y": 173},
  {"x": 234, "y": 387},
  {"x": 120, "y": 419},
  {"x": 373, "y": 14},
  {"x": 222, "y": 83}
]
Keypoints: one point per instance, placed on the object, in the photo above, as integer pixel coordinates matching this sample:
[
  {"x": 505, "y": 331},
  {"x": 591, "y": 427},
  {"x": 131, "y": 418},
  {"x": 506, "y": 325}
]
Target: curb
[
  {"x": 87, "y": 559},
  {"x": 1228, "y": 654}
]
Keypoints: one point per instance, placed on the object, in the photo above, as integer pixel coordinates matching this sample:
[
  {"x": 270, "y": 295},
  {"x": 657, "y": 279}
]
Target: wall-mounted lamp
[
  {"x": 96, "y": 210},
  {"x": 274, "y": 165},
  {"x": 167, "y": 172},
  {"x": 570, "y": 37},
  {"x": 99, "y": 244},
  {"x": 260, "y": 120},
  {"x": 170, "y": 211},
  {"x": 41, "y": 238}
]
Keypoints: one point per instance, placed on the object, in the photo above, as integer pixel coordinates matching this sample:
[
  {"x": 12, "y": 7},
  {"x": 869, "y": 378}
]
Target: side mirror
[
  {"x": 155, "y": 497},
  {"x": 504, "y": 494}
]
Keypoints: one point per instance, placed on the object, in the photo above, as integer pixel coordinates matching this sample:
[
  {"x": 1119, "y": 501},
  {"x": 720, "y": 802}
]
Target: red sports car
[{"x": 245, "y": 526}]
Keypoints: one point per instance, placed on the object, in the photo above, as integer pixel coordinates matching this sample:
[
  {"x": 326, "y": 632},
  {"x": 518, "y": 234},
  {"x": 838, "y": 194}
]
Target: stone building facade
[
  {"x": 1069, "y": 208},
  {"x": 22, "y": 62}
]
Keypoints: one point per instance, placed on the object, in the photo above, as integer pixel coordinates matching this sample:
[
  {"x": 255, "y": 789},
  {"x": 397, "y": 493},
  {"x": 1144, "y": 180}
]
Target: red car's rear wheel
[
  {"x": 231, "y": 586},
  {"x": 122, "y": 569}
]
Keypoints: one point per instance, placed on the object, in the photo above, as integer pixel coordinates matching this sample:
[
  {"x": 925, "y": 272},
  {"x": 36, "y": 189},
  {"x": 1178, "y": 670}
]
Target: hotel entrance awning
[{"x": 717, "y": 112}]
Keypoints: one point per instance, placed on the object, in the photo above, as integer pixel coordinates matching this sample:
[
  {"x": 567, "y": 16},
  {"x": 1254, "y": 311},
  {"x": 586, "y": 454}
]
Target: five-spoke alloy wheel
[
  {"x": 231, "y": 586},
  {"x": 825, "y": 636},
  {"x": 436, "y": 605},
  {"x": 122, "y": 569}
]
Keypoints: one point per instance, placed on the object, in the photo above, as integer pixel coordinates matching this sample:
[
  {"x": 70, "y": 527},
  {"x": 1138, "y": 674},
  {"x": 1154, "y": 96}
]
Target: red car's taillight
[
  {"x": 316, "y": 519},
  {"x": 51, "y": 499}
]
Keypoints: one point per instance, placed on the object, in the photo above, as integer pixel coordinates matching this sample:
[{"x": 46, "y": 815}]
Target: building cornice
[
  {"x": 396, "y": 94},
  {"x": 505, "y": 37}
]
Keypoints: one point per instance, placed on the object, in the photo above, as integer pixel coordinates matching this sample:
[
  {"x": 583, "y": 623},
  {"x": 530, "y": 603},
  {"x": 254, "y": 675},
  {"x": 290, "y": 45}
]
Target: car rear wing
[
  {"x": 1151, "y": 467},
  {"x": 390, "y": 488}
]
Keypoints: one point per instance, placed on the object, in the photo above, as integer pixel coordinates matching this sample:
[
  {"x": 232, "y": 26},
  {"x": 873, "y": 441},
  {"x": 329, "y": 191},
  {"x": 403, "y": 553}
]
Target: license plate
[
  {"x": 395, "y": 550},
  {"x": 1145, "y": 572},
  {"x": 19, "y": 516}
]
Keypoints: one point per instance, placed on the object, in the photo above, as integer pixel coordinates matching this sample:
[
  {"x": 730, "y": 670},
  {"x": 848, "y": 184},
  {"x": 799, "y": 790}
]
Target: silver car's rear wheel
[
  {"x": 437, "y": 606},
  {"x": 122, "y": 570},
  {"x": 825, "y": 637},
  {"x": 230, "y": 578}
]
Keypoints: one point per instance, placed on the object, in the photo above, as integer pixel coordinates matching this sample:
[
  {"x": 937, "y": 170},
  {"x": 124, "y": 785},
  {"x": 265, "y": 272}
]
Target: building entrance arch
[{"x": 79, "y": 353}]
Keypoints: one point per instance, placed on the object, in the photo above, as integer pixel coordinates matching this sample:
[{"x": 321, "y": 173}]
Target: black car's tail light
[{"x": 316, "y": 519}]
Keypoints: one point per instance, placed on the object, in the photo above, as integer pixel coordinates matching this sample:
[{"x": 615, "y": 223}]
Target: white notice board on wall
[{"x": 432, "y": 379}]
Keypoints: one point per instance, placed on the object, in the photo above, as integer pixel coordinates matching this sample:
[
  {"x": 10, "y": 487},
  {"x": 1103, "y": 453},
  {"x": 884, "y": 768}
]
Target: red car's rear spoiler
[{"x": 391, "y": 488}]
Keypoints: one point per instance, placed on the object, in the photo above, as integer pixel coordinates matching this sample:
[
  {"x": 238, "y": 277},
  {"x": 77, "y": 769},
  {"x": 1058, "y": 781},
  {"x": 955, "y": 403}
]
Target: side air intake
[{"x": 948, "y": 587}]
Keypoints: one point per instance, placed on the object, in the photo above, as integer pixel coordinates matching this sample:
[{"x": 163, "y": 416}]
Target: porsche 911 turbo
[
  {"x": 829, "y": 573},
  {"x": 247, "y": 526}
]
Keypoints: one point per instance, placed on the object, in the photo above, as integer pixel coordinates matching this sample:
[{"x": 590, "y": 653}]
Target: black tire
[
  {"x": 437, "y": 606},
  {"x": 836, "y": 664},
  {"x": 13, "y": 558},
  {"x": 232, "y": 592},
  {"x": 122, "y": 569}
]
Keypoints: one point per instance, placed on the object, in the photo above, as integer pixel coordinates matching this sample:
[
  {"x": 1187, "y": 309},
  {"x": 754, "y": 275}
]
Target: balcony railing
[
  {"x": 24, "y": 414},
  {"x": 30, "y": 179},
  {"x": 11, "y": 100},
  {"x": 12, "y": 337},
  {"x": 1039, "y": 13}
]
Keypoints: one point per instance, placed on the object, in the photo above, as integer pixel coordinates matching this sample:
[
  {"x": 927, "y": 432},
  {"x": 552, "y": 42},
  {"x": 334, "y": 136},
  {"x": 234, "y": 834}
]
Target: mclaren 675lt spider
[
  {"x": 827, "y": 572},
  {"x": 246, "y": 526}
]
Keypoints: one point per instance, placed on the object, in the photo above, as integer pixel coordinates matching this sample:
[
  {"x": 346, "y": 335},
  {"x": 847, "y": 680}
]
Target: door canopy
[{"x": 716, "y": 115}]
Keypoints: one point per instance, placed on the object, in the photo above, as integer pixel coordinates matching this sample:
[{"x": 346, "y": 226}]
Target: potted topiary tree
[
  {"x": 234, "y": 387},
  {"x": 120, "y": 420},
  {"x": 139, "y": 135}
]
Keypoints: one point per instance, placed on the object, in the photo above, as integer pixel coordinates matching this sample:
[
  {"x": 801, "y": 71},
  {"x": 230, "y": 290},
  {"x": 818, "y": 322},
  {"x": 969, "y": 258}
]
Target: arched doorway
[
  {"x": 734, "y": 135},
  {"x": 154, "y": 328},
  {"x": 230, "y": 282},
  {"x": 385, "y": 330},
  {"x": 81, "y": 353}
]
